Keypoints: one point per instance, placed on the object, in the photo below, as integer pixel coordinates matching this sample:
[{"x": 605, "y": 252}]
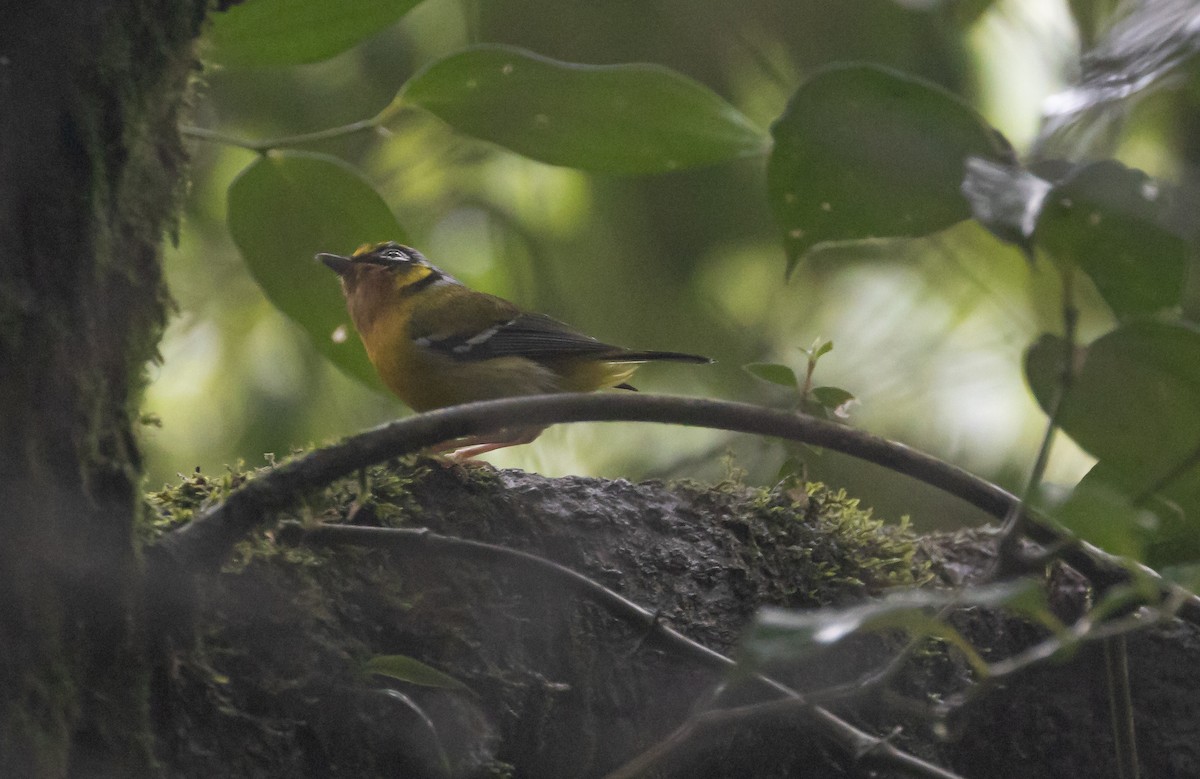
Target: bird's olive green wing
[{"x": 486, "y": 327}]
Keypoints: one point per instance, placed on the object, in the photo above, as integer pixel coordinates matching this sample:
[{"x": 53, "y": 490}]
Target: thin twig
[
  {"x": 1086, "y": 630},
  {"x": 878, "y": 753},
  {"x": 416, "y": 542},
  {"x": 1120, "y": 706},
  {"x": 1016, "y": 524},
  {"x": 302, "y": 139}
]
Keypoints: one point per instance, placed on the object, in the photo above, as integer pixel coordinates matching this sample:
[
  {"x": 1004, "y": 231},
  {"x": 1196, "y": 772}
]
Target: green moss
[
  {"x": 176, "y": 505},
  {"x": 853, "y": 552}
]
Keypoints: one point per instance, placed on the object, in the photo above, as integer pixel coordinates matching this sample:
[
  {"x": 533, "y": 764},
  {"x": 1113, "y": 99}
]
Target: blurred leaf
[
  {"x": 1044, "y": 368},
  {"x": 1112, "y": 508},
  {"x": 1176, "y": 504},
  {"x": 413, "y": 671},
  {"x": 1112, "y": 222},
  {"x": 1135, "y": 402},
  {"x": 1090, "y": 17},
  {"x": 283, "y": 209},
  {"x": 1145, "y": 508},
  {"x": 291, "y": 32},
  {"x": 786, "y": 635},
  {"x": 1140, "y": 52},
  {"x": 1104, "y": 515},
  {"x": 1186, "y": 576},
  {"x": 866, "y": 152},
  {"x": 774, "y": 373},
  {"x": 608, "y": 118},
  {"x": 792, "y": 468},
  {"x": 962, "y": 12}
]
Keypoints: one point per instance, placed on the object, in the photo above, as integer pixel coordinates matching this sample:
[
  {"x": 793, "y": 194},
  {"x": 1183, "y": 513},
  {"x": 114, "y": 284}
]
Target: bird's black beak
[{"x": 336, "y": 262}]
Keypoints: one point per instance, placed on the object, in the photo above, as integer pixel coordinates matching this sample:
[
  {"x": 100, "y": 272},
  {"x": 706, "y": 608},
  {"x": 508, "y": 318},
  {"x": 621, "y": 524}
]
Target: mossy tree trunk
[{"x": 90, "y": 166}]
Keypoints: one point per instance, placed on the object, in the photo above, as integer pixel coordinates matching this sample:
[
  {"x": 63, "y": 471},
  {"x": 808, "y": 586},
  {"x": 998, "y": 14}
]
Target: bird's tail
[{"x": 665, "y": 356}]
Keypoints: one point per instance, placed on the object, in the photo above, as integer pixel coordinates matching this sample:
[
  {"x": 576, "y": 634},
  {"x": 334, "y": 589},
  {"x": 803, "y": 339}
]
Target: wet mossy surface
[{"x": 272, "y": 684}]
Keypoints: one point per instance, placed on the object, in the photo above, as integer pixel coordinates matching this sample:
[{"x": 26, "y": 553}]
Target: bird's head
[
  {"x": 380, "y": 277},
  {"x": 381, "y": 267}
]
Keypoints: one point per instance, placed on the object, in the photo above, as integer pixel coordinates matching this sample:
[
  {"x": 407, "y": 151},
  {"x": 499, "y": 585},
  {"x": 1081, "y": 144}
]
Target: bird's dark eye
[{"x": 395, "y": 254}]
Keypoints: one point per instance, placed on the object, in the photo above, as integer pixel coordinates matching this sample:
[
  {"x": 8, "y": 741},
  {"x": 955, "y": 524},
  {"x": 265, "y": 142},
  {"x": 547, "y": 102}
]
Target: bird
[{"x": 436, "y": 342}]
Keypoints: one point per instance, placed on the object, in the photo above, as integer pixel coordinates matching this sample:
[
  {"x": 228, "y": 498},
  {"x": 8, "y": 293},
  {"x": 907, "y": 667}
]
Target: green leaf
[
  {"x": 1135, "y": 406},
  {"x": 865, "y": 152},
  {"x": 1112, "y": 222},
  {"x": 1103, "y": 514},
  {"x": 630, "y": 119},
  {"x": 1186, "y": 576},
  {"x": 791, "y": 468},
  {"x": 774, "y": 373},
  {"x": 291, "y": 32},
  {"x": 1135, "y": 402},
  {"x": 1176, "y": 506},
  {"x": 1111, "y": 508},
  {"x": 283, "y": 209},
  {"x": 408, "y": 669},
  {"x": 832, "y": 398},
  {"x": 1044, "y": 368},
  {"x": 1090, "y": 17}
]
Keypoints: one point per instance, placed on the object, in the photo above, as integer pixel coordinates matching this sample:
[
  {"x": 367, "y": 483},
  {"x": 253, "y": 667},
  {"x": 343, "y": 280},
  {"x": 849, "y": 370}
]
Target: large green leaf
[
  {"x": 283, "y": 209},
  {"x": 1135, "y": 405},
  {"x": 290, "y": 32},
  {"x": 1103, "y": 513},
  {"x": 1135, "y": 402},
  {"x": 627, "y": 119},
  {"x": 1111, "y": 508},
  {"x": 865, "y": 152}
]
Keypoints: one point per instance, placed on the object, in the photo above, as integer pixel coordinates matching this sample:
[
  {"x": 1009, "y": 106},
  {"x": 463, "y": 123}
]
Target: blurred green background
[{"x": 928, "y": 334}]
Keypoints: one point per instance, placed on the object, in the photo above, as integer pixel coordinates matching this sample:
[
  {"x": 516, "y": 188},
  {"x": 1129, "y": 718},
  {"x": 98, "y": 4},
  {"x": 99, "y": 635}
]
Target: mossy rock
[{"x": 557, "y": 686}]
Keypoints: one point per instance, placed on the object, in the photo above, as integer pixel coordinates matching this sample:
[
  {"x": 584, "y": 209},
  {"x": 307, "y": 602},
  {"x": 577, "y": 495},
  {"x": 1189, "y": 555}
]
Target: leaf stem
[
  {"x": 263, "y": 146},
  {"x": 1016, "y": 522}
]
